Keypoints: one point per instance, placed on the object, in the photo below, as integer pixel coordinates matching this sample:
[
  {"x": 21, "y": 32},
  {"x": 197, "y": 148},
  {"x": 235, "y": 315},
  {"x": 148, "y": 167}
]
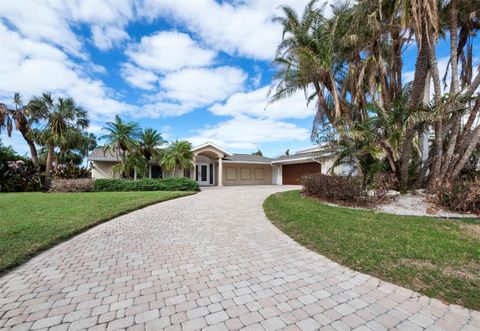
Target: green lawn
[
  {"x": 32, "y": 222},
  {"x": 440, "y": 258}
]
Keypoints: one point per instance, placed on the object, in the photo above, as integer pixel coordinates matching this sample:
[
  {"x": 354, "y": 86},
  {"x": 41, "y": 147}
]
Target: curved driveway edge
[{"x": 213, "y": 261}]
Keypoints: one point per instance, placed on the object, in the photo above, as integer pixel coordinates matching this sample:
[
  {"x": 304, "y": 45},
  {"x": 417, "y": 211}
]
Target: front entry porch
[{"x": 208, "y": 160}]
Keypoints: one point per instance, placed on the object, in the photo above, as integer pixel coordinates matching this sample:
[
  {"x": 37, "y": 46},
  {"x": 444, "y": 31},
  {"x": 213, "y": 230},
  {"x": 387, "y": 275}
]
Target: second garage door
[{"x": 292, "y": 173}]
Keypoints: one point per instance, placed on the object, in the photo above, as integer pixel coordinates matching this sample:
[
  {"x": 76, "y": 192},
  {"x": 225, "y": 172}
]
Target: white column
[
  {"x": 135, "y": 173},
  {"x": 192, "y": 173},
  {"x": 149, "y": 171},
  {"x": 220, "y": 171}
]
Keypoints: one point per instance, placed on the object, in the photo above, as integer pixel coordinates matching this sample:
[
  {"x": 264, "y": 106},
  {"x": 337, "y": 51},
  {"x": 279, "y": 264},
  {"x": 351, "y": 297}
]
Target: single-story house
[{"x": 214, "y": 166}]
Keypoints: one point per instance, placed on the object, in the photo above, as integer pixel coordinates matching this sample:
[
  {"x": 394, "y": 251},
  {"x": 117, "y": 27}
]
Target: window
[
  {"x": 211, "y": 173},
  {"x": 156, "y": 172},
  {"x": 196, "y": 173},
  {"x": 186, "y": 173},
  {"x": 203, "y": 173}
]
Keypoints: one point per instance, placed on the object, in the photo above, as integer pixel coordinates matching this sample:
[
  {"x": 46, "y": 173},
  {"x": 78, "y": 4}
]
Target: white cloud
[
  {"x": 39, "y": 21},
  {"x": 31, "y": 67},
  {"x": 137, "y": 77},
  {"x": 51, "y": 21},
  {"x": 248, "y": 133},
  {"x": 242, "y": 27},
  {"x": 202, "y": 86},
  {"x": 105, "y": 38},
  {"x": 254, "y": 103},
  {"x": 164, "y": 109},
  {"x": 169, "y": 51}
]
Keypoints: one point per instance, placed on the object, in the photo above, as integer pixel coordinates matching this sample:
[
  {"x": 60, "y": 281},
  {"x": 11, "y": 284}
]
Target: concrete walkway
[{"x": 211, "y": 261}]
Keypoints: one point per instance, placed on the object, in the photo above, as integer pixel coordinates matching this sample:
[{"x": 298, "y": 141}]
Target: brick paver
[{"x": 210, "y": 261}]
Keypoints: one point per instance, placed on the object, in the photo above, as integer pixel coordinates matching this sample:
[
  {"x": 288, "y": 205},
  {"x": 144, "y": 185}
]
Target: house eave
[
  {"x": 293, "y": 160},
  {"x": 248, "y": 162}
]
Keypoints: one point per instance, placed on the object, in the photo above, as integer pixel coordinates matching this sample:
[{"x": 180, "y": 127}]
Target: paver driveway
[{"x": 211, "y": 260}]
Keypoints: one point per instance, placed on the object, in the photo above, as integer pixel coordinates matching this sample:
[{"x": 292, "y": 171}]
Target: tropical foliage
[
  {"x": 178, "y": 155},
  {"x": 132, "y": 146},
  {"x": 54, "y": 130},
  {"x": 351, "y": 65}
]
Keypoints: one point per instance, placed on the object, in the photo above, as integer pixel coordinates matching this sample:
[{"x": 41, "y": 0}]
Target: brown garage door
[{"x": 292, "y": 173}]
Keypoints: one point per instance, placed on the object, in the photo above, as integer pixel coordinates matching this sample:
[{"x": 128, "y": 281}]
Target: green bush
[{"x": 147, "y": 184}]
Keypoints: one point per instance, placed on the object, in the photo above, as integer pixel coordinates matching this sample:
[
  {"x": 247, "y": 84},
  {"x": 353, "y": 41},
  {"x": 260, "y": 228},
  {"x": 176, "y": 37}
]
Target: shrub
[
  {"x": 147, "y": 184},
  {"x": 71, "y": 171},
  {"x": 72, "y": 185},
  {"x": 383, "y": 184},
  {"x": 347, "y": 188},
  {"x": 19, "y": 176},
  {"x": 462, "y": 197}
]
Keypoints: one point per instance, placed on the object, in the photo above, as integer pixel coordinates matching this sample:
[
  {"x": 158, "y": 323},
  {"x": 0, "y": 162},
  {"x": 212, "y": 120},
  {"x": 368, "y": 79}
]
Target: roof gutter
[{"x": 250, "y": 162}]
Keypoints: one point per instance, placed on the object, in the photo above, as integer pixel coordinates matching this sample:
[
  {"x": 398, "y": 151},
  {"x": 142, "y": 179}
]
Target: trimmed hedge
[{"x": 147, "y": 184}]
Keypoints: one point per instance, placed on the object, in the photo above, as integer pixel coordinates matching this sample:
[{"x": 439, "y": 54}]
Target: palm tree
[
  {"x": 24, "y": 119},
  {"x": 121, "y": 139},
  {"x": 178, "y": 155},
  {"x": 134, "y": 161},
  {"x": 64, "y": 122},
  {"x": 149, "y": 142}
]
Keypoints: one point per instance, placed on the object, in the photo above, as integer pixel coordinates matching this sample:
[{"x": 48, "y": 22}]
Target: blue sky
[{"x": 192, "y": 69}]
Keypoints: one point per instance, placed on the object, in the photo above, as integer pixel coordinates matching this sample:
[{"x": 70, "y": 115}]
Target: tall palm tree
[
  {"x": 121, "y": 139},
  {"x": 23, "y": 118},
  {"x": 149, "y": 142},
  {"x": 178, "y": 155},
  {"x": 64, "y": 121}
]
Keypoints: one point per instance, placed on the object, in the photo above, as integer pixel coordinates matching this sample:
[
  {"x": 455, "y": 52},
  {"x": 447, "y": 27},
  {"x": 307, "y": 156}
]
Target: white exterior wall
[{"x": 103, "y": 169}]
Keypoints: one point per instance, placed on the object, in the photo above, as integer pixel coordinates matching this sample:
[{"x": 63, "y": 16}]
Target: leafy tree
[
  {"x": 258, "y": 152},
  {"x": 178, "y": 155}
]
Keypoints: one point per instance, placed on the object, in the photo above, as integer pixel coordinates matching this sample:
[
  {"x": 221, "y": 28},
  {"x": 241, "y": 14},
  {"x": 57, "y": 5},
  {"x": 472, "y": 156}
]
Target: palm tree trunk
[
  {"x": 421, "y": 73},
  {"x": 49, "y": 159},
  {"x": 474, "y": 140},
  {"x": 442, "y": 163},
  {"x": 31, "y": 144},
  {"x": 33, "y": 152},
  {"x": 454, "y": 87}
]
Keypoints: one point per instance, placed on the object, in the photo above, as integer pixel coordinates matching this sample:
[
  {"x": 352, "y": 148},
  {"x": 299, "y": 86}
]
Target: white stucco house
[{"x": 215, "y": 166}]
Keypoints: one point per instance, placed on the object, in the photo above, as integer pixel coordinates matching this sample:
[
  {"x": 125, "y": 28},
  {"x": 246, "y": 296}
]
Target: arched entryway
[{"x": 208, "y": 160}]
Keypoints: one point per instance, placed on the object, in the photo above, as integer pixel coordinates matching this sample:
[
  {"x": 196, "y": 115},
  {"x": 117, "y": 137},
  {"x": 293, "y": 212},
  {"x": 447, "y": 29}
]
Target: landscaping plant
[
  {"x": 147, "y": 184},
  {"x": 350, "y": 63},
  {"x": 72, "y": 185}
]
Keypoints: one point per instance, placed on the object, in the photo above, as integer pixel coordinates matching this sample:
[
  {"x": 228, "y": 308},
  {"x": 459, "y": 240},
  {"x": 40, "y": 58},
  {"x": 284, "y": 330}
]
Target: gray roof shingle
[
  {"x": 247, "y": 158},
  {"x": 99, "y": 154},
  {"x": 316, "y": 154}
]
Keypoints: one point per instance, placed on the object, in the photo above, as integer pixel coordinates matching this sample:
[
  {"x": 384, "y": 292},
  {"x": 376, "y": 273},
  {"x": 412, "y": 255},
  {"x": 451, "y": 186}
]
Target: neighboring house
[{"x": 215, "y": 166}]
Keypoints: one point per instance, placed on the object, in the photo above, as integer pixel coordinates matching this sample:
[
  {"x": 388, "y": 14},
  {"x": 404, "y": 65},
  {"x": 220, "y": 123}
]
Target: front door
[{"x": 204, "y": 173}]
